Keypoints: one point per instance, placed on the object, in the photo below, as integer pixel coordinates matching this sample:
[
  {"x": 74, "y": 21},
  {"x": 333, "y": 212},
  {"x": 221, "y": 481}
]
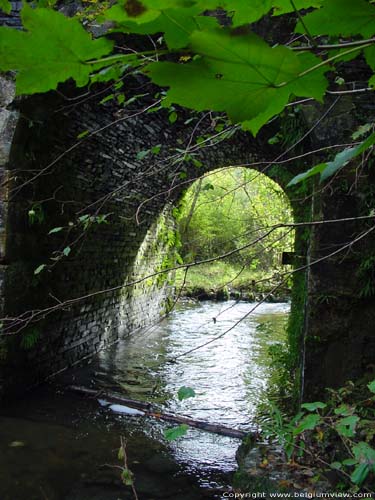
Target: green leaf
[
  {"x": 360, "y": 473},
  {"x": 349, "y": 461},
  {"x": 121, "y": 453},
  {"x": 175, "y": 432},
  {"x": 275, "y": 139},
  {"x": 241, "y": 75},
  {"x": 362, "y": 130},
  {"x": 118, "y": 85},
  {"x": 185, "y": 393},
  {"x": 344, "y": 410},
  {"x": 141, "y": 11},
  {"x": 30, "y": 338},
  {"x": 142, "y": 154},
  {"x": 339, "y": 80},
  {"x": 56, "y": 230},
  {"x": 371, "y": 386},
  {"x": 83, "y": 134},
  {"x": 52, "y": 49},
  {"x": 369, "y": 53},
  {"x": 341, "y": 159},
  {"x": 121, "y": 99},
  {"x": 318, "y": 169},
  {"x": 364, "y": 454},
  {"x": 127, "y": 477},
  {"x": 241, "y": 11},
  {"x": 350, "y": 18},
  {"x": 67, "y": 251},
  {"x": 246, "y": 12},
  {"x": 285, "y": 6},
  {"x": 5, "y": 6},
  {"x": 39, "y": 269},
  {"x": 111, "y": 73},
  {"x": 46, "y": 3},
  {"x": 172, "y": 117},
  {"x": 346, "y": 426},
  {"x": 107, "y": 98},
  {"x": 364, "y": 451},
  {"x": 313, "y": 406},
  {"x": 307, "y": 423},
  {"x": 336, "y": 465},
  {"x": 177, "y": 24}
]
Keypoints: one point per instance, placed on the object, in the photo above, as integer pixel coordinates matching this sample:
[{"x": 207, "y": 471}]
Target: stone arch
[
  {"x": 104, "y": 175},
  {"x": 34, "y": 132},
  {"x": 210, "y": 227}
]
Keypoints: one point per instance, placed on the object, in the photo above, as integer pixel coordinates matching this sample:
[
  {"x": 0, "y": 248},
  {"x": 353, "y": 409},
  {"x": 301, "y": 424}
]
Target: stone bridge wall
[
  {"x": 43, "y": 171},
  {"x": 340, "y": 335},
  {"x": 100, "y": 176}
]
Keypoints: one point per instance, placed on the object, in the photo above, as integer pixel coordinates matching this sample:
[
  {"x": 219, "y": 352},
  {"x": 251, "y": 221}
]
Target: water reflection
[
  {"x": 66, "y": 440},
  {"x": 230, "y": 376}
]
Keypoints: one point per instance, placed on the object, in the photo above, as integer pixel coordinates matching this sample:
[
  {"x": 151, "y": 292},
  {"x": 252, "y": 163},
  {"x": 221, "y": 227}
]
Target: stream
[{"x": 56, "y": 445}]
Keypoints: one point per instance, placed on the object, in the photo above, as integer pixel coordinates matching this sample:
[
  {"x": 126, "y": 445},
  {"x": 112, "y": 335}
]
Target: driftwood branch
[{"x": 150, "y": 411}]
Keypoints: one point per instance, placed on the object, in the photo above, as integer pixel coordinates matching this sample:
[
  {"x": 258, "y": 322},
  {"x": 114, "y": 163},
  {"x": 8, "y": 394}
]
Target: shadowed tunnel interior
[{"x": 85, "y": 186}]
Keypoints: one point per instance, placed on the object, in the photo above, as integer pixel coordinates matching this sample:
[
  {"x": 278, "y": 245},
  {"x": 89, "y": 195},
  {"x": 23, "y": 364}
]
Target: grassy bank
[{"x": 224, "y": 280}]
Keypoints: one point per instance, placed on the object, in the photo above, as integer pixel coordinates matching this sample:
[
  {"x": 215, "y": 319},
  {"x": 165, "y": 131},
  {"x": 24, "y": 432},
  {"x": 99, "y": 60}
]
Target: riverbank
[
  {"x": 327, "y": 448},
  {"x": 221, "y": 281}
]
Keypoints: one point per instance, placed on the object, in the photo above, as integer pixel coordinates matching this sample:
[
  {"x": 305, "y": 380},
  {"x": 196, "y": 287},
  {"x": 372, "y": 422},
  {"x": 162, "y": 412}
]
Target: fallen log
[{"x": 150, "y": 411}]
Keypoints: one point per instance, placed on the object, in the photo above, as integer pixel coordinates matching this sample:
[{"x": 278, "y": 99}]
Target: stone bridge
[{"x": 72, "y": 161}]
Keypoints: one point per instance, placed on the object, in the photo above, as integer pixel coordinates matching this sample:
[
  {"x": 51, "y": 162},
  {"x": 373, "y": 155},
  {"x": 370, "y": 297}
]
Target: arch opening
[
  {"x": 112, "y": 254},
  {"x": 238, "y": 223}
]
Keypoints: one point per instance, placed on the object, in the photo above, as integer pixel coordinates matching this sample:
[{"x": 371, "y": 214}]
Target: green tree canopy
[{"x": 227, "y": 209}]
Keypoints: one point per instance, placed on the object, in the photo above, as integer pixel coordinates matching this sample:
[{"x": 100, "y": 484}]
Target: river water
[{"x": 56, "y": 445}]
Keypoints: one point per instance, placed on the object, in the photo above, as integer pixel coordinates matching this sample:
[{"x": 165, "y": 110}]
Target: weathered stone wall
[
  {"x": 59, "y": 182},
  {"x": 339, "y": 337},
  {"x": 48, "y": 172},
  {"x": 102, "y": 175},
  {"x": 8, "y": 122}
]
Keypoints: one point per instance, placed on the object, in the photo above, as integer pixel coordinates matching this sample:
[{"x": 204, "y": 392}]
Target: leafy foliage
[
  {"x": 351, "y": 18},
  {"x": 30, "y": 338},
  {"x": 55, "y": 230},
  {"x": 36, "y": 214},
  {"x": 326, "y": 170},
  {"x": 177, "y": 24},
  {"x": 175, "y": 432},
  {"x": 241, "y": 75},
  {"x": 5, "y": 6},
  {"x": 127, "y": 477},
  {"x": 53, "y": 49},
  {"x": 229, "y": 208},
  {"x": 220, "y": 68},
  {"x": 185, "y": 393},
  {"x": 39, "y": 269},
  {"x": 313, "y": 406},
  {"x": 335, "y": 431}
]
